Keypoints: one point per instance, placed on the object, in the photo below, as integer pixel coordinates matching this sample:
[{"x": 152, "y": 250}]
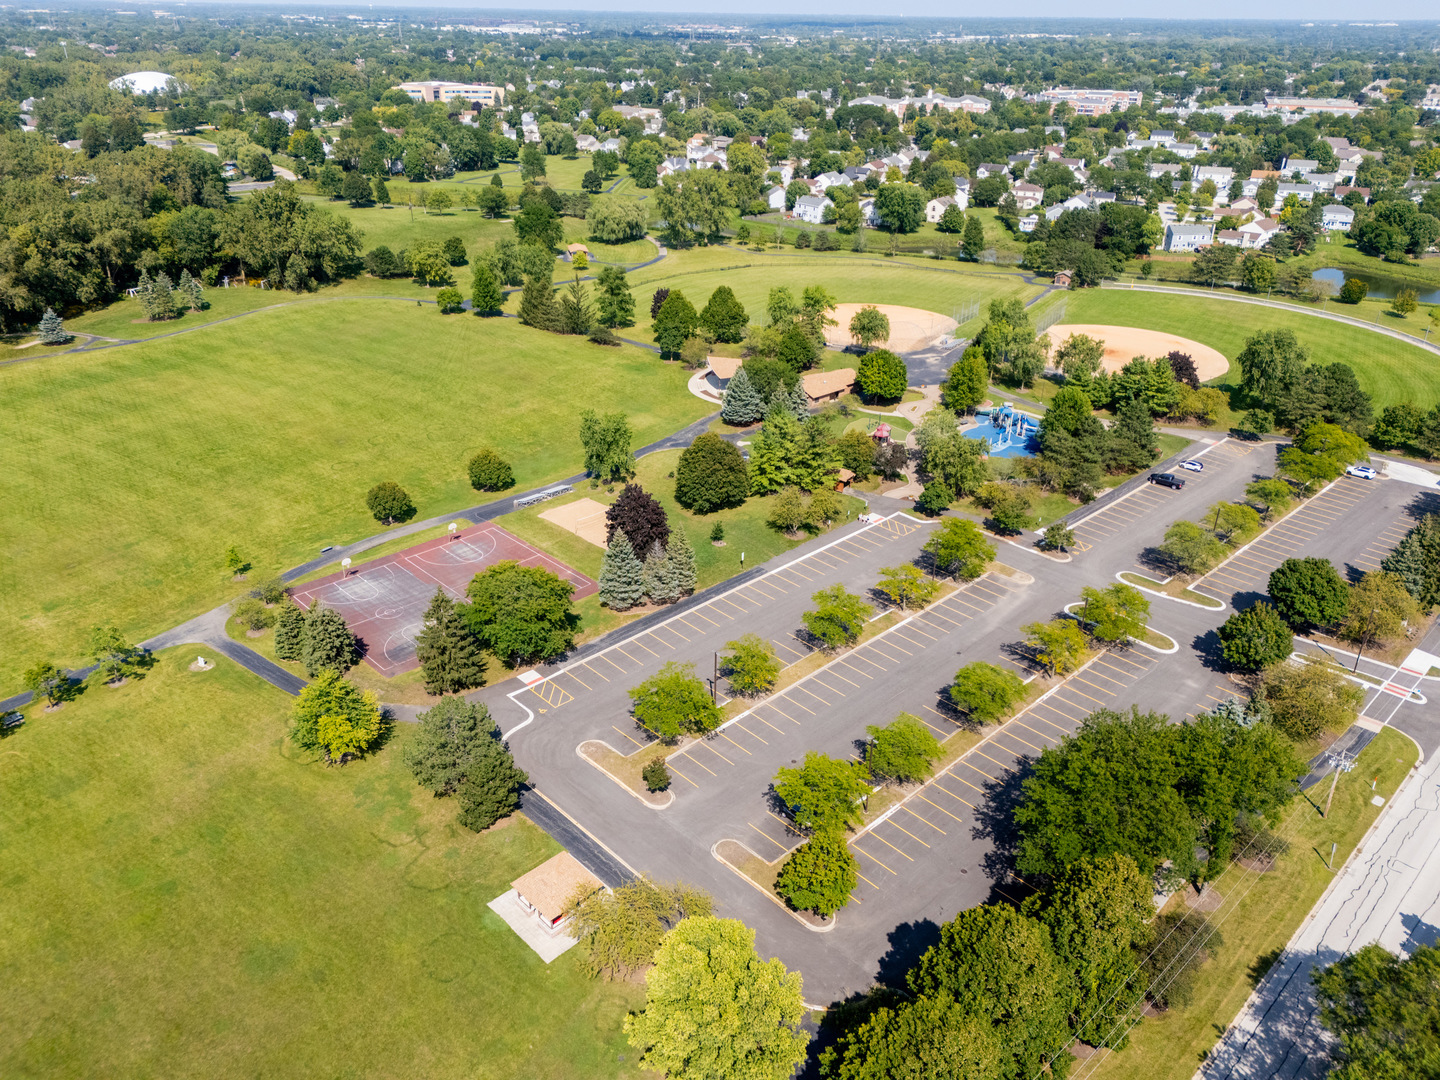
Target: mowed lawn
[
  {"x": 943, "y": 287},
  {"x": 130, "y": 471},
  {"x": 186, "y": 895},
  {"x": 1391, "y": 371}
]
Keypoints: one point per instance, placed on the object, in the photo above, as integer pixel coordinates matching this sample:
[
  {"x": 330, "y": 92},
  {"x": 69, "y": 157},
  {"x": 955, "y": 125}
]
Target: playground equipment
[{"x": 1010, "y": 428}]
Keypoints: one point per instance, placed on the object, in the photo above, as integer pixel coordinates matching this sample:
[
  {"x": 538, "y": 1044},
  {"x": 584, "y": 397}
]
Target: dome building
[{"x": 142, "y": 82}]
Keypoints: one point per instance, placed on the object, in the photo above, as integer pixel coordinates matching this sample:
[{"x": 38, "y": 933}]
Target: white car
[
  {"x": 1193, "y": 466},
  {"x": 1364, "y": 472}
]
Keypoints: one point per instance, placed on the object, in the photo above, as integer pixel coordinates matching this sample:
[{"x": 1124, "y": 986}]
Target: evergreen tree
[
  {"x": 451, "y": 737},
  {"x": 974, "y": 243},
  {"x": 162, "y": 297},
  {"x": 329, "y": 644},
  {"x": 658, "y": 584},
  {"x": 289, "y": 631},
  {"x": 771, "y": 464},
  {"x": 681, "y": 557},
  {"x": 622, "y": 577},
  {"x": 674, "y": 322},
  {"x": 379, "y": 192},
  {"x": 616, "y": 305},
  {"x": 449, "y": 653},
  {"x": 799, "y": 403},
  {"x": 724, "y": 316},
  {"x": 537, "y": 303},
  {"x": 1133, "y": 442},
  {"x": 491, "y": 788},
  {"x": 486, "y": 296},
  {"x": 743, "y": 404},
  {"x": 185, "y": 291},
  {"x": 145, "y": 294},
  {"x": 576, "y": 314},
  {"x": 816, "y": 457},
  {"x": 52, "y": 329}
]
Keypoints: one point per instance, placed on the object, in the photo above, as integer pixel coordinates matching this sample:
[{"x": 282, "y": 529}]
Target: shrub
[
  {"x": 254, "y": 615},
  {"x": 1183, "y": 942}
]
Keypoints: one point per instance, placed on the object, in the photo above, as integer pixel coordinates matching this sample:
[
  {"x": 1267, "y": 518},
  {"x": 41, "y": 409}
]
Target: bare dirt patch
[
  {"x": 910, "y": 328},
  {"x": 1124, "y": 343}
]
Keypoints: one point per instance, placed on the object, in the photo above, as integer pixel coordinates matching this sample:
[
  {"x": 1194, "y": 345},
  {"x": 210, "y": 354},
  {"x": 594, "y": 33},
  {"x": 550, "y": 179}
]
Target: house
[
  {"x": 1186, "y": 150},
  {"x": 1052, "y": 213},
  {"x": 1163, "y": 137},
  {"x": 1245, "y": 205},
  {"x": 1230, "y": 237},
  {"x": 935, "y": 208},
  {"x": 811, "y": 208},
  {"x": 825, "y": 181},
  {"x": 868, "y": 213},
  {"x": 1062, "y": 279},
  {"x": 1341, "y": 190},
  {"x": 1028, "y": 223},
  {"x": 548, "y": 889},
  {"x": 775, "y": 197},
  {"x": 587, "y": 144},
  {"x": 962, "y": 191},
  {"x": 1289, "y": 166},
  {"x": 1337, "y": 217},
  {"x": 822, "y": 386},
  {"x": 1187, "y": 237},
  {"x": 1027, "y": 196},
  {"x": 1075, "y": 165},
  {"x": 720, "y": 371},
  {"x": 1160, "y": 169},
  {"x": 1304, "y": 192},
  {"x": 985, "y": 170},
  {"x": 1321, "y": 181},
  {"x": 1259, "y": 232}
]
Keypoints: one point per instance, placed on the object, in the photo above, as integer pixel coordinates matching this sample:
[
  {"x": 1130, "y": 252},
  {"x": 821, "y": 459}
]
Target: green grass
[
  {"x": 185, "y": 895},
  {"x": 1260, "y": 914},
  {"x": 130, "y": 471},
  {"x": 1390, "y": 370}
]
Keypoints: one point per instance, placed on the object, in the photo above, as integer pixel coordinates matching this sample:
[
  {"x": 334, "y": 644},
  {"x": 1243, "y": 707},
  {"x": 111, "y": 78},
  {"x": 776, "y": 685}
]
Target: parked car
[
  {"x": 1364, "y": 472},
  {"x": 1167, "y": 479},
  {"x": 1193, "y": 466}
]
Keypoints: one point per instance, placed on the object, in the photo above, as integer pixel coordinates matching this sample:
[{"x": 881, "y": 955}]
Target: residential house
[
  {"x": 1187, "y": 237},
  {"x": 1292, "y": 107},
  {"x": 1290, "y": 166},
  {"x": 868, "y": 214},
  {"x": 1076, "y": 167},
  {"x": 985, "y": 170},
  {"x": 962, "y": 191},
  {"x": 1203, "y": 139},
  {"x": 1259, "y": 231},
  {"x": 1027, "y": 196},
  {"x": 1304, "y": 192},
  {"x": 775, "y": 197},
  {"x": 825, "y": 181},
  {"x": 1159, "y": 169},
  {"x": 811, "y": 208},
  {"x": 1028, "y": 223},
  {"x": 1230, "y": 238},
  {"x": 1337, "y": 217},
  {"x": 1341, "y": 190},
  {"x": 1163, "y": 137},
  {"x": 935, "y": 208},
  {"x": 1321, "y": 181},
  {"x": 1186, "y": 150},
  {"x": 1052, "y": 213}
]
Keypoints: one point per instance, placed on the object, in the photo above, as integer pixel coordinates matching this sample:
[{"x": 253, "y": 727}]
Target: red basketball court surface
[{"x": 383, "y": 602}]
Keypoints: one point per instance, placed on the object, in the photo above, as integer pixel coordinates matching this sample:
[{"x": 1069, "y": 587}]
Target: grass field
[
  {"x": 1390, "y": 370},
  {"x": 1258, "y": 916},
  {"x": 187, "y": 896},
  {"x": 132, "y": 470}
]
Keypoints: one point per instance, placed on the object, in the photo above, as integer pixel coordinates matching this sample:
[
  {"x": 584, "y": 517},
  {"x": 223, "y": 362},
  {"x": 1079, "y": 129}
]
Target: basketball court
[{"x": 383, "y": 602}]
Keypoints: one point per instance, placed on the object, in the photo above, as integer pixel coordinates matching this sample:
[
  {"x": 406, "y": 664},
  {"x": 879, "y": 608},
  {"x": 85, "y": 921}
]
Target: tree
[
  {"x": 532, "y": 162},
  {"x": 388, "y": 503},
  {"x": 796, "y": 349},
  {"x": 335, "y": 717},
  {"x": 1270, "y": 364},
  {"x": 1380, "y": 608},
  {"x": 1190, "y": 548},
  {"x": 539, "y": 224},
  {"x": 819, "y": 875},
  {"x": 788, "y": 513},
  {"x": 47, "y": 680},
  {"x": 967, "y": 382},
  {"x": 537, "y": 304},
  {"x": 576, "y": 316},
  {"x": 681, "y": 559},
  {"x": 1404, "y": 303},
  {"x": 1416, "y": 562},
  {"x": 615, "y": 306},
  {"x": 743, "y": 404},
  {"x": 486, "y": 297},
  {"x": 986, "y": 692},
  {"x": 491, "y": 788},
  {"x": 615, "y": 221},
  {"x": 751, "y": 668},
  {"x": 449, "y": 301},
  {"x": 907, "y": 586},
  {"x": 1009, "y": 505},
  {"x": 1116, "y": 613},
  {"x": 997, "y": 965},
  {"x": 606, "y": 440},
  {"x": 355, "y": 188},
  {"x": 882, "y": 375},
  {"x": 1098, "y": 913},
  {"x": 1383, "y": 1010},
  {"x": 492, "y": 201},
  {"x": 488, "y": 471},
  {"x": 1133, "y": 442},
  {"x": 1272, "y": 495},
  {"x": 1255, "y": 638},
  {"x": 1309, "y": 697},
  {"x": 838, "y": 617},
  {"x": 622, "y": 575},
  {"x": 724, "y": 316},
  {"x": 1058, "y": 644},
  {"x": 711, "y": 475},
  {"x": 869, "y": 325},
  {"x": 522, "y": 613},
  {"x": 714, "y": 1010},
  {"x": 619, "y": 930},
  {"x": 1057, "y": 537},
  {"x": 901, "y": 207},
  {"x": 933, "y": 1033},
  {"x": 448, "y": 740},
  {"x": 974, "y": 243},
  {"x": 449, "y": 654},
  {"x": 381, "y": 262},
  {"x": 675, "y": 321},
  {"x": 289, "y": 630},
  {"x": 329, "y": 645},
  {"x": 903, "y": 751},
  {"x": 643, "y": 520},
  {"x": 658, "y": 584},
  {"x": 1308, "y": 593},
  {"x": 1079, "y": 355},
  {"x": 116, "y": 657},
  {"x": 379, "y": 192},
  {"x": 935, "y": 498},
  {"x": 674, "y": 702},
  {"x": 824, "y": 793},
  {"x": 52, "y": 329},
  {"x": 428, "y": 263}
]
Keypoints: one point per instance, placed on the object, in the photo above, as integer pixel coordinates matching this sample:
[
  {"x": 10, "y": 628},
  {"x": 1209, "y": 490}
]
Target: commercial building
[{"x": 436, "y": 90}]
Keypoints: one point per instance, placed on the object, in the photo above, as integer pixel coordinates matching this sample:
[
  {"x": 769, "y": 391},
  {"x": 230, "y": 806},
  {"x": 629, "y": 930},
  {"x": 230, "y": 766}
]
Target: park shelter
[
  {"x": 722, "y": 370},
  {"x": 882, "y": 432},
  {"x": 822, "y": 386},
  {"x": 546, "y": 890}
]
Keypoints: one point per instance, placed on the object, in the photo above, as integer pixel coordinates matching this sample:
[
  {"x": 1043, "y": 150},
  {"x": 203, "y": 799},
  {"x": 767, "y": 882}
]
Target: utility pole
[
  {"x": 1341, "y": 764},
  {"x": 715, "y": 679}
]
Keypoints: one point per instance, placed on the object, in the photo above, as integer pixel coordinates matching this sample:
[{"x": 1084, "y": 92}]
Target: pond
[{"x": 1381, "y": 288}]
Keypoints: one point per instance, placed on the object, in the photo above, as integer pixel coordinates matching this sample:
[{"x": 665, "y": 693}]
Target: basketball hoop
[
  {"x": 453, "y": 527},
  {"x": 345, "y": 565}
]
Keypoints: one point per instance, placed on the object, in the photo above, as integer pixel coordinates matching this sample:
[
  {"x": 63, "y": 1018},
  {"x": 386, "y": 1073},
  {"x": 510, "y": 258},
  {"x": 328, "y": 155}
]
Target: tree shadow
[
  {"x": 908, "y": 943},
  {"x": 1261, "y": 965},
  {"x": 1208, "y": 648},
  {"x": 995, "y": 822},
  {"x": 1425, "y": 502},
  {"x": 1418, "y": 932}
]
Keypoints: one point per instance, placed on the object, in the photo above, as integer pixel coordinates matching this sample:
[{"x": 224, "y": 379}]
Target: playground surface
[
  {"x": 910, "y": 328},
  {"x": 1007, "y": 433},
  {"x": 583, "y": 517},
  {"x": 383, "y": 602},
  {"x": 1124, "y": 343}
]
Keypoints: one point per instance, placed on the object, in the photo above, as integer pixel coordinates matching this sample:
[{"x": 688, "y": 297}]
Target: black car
[{"x": 1168, "y": 479}]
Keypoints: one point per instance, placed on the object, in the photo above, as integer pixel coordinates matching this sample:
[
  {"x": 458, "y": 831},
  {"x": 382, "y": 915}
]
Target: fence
[
  {"x": 1055, "y": 314},
  {"x": 965, "y": 312}
]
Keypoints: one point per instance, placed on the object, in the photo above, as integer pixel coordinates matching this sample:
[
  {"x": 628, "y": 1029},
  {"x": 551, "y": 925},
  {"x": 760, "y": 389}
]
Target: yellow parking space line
[
  {"x": 787, "y": 826},
  {"x": 817, "y": 697},
  {"x": 906, "y": 638},
  {"x": 591, "y": 668},
  {"x": 947, "y": 791},
  {"x": 941, "y": 809},
  {"x": 699, "y": 613},
  {"x": 867, "y": 881},
  {"x": 613, "y": 664},
  {"x": 907, "y": 832},
  {"x": 1057, "y": 712},
  {"x": 692, "y": 626},
  {"x": 856, "y": 845},
  {"x": 671, "y": 766},
  {"x": 641, "y": 643},
  {"x": 915, "y": 629},
  {"x": 621, "y": 650},
  {"x": 1041, "y": 720},
  {"x": 1112, "y": 667},
  {"x": 856, "y": 898},
  {"x": 1017, "y": 738},
  {"x": 891, "y": 644},
  {"x": 801, "y": 573},
  {"x": 1108, "y": 678},
  {"x": 978, "y": 610},
  {"x": 695, "y": 761},
  {"x": 987, "y": 757},
  {"x": 717, "y": 753},
  {"x": 1034, "y": 731},
  {"x": 660, "y": 640},
  {"x": 671, "y": 629},
  {"x": 981, "y": 588},
  {"x": 577, "y": 678},
  {"x": 1086, "y": 696},
  {"x": 552, "y": 695},
  {"x": 778, "y": 576},
  {"x": 729, "y": 603},
  {"x": 627, "y": 735},
  {"x": 967, "y": 782},
  {"x": 891, "y": 846},
  {"x": 853, "y": 668},
  {"x": 824, "y": 559},
  {"x": 927, "y": 821},
  {"x": 735, "y": 744},
  {"x": 782, "y": 712},
  {"x": 934, "y": 614},
  {"x": 941, "y": 732},
  {"x": 767, "y": 836},
  {"x": 831, "y": 671},
  {"x": 767, "y": 723},
  {"x": 764, "y": 584},
  {"x": 1095, "y": 686},
  {"x": 795, "y": 652},
  {"x": 722, "y": 613}
]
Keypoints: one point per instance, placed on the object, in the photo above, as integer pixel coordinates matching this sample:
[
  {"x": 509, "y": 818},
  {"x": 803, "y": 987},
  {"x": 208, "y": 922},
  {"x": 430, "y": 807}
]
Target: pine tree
[
  {"x": 163, "y": 297},
  {"x": 450, "y": 657},
  {"x": 743, "y": 403},
  {"x": 816, "y": 456},
  {"x": 290, "y": 631},
  {"x": 575, "y": 313},
  {"x": 485, "y": 294},
  {"x": 329, "y": 644},
  {"x": 771, "y": 464},
  {"x": 379, "y": 191},
  {"x": 974, "y": 242},
  {"x": 537, "y": 303},
  {"x": 145, "y": 294},
  {"x": 799, "y": 403},
  {"x": 681, "y": 557},
  {"x": 52, "y": 329},
  {"x": 490, "y": 789},
  {"x": 622, "y": 577},
  {"x": 196, "y": 295},
  {"x": 658, "y": 584}
]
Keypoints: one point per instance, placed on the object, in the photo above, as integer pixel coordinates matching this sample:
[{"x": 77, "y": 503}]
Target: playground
[
  {"x": 384, "y": 602},
  {"x": 1007, "y": 432}
]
